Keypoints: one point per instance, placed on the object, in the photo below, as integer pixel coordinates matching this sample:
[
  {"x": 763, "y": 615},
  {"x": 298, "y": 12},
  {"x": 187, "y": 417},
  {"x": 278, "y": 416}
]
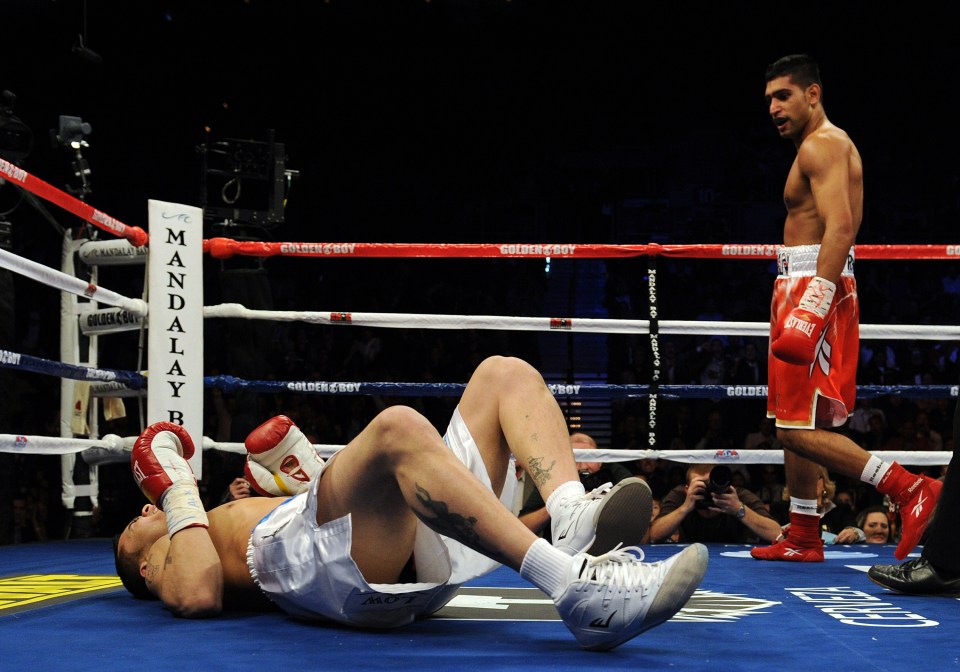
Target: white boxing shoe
[
  {"x": 603, "y": 518},
  {"x": 614, "y": 597}
]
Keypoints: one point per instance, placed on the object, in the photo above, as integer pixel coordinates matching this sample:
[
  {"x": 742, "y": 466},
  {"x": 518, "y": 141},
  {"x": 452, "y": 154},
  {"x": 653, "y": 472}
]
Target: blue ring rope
[{"x": 137, "y": 381}]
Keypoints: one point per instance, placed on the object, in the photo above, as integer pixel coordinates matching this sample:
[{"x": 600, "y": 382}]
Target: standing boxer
[{"x": 814, "y": 322}]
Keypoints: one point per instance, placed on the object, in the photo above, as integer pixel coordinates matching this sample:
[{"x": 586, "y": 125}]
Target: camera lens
[
  {"x": 717, "y": 483},
  {"x": 720, "y": 477}
]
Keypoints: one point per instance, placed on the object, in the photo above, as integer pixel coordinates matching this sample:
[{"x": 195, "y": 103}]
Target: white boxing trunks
[{"x": 306, "y": 569}]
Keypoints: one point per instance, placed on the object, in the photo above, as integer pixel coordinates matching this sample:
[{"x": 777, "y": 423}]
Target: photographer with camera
[{"x": 709, "y": 509}]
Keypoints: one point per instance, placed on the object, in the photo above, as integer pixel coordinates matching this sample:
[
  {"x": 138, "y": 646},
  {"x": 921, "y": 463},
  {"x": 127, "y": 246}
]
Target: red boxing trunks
[{"x": 821, "y": 394}]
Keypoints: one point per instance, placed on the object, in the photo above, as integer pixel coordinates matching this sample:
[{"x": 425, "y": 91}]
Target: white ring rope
[
  {"x": 112, "y": 448},
  {"x": 59, "y": 280},
  {"x": 576, "y": 324}
]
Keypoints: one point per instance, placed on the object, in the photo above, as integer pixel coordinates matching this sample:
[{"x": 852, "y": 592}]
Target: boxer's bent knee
[
  {"x": 500, "y": 369},
  {"x": 399, "y": 428}
]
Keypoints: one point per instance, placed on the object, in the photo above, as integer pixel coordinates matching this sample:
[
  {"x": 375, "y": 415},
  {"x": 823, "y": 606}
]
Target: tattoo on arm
[
  {"x": 538, "y": 472},
  {"x": 453, "y": 525}
]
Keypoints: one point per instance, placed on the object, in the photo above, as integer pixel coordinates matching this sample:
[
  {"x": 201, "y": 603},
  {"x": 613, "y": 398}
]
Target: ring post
[{"x": 175, "y": 338}]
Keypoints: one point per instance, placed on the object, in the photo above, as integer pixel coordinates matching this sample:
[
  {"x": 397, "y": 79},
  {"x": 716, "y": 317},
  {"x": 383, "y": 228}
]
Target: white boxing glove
[{"x": 280, "y": 460}]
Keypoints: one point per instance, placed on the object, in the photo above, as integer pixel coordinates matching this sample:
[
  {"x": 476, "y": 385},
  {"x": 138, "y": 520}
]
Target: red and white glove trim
[
  {"x": 281, "y": 461},
  {"x": 818, "y": 297},
  {"x": 160, "y": 468},
  {"x": 183, "y": 507}
]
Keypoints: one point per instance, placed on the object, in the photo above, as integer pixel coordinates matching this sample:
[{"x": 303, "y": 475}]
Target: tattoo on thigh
[
  {"x": 451, "y": 524},
  {"x": 538, "y": 472}
]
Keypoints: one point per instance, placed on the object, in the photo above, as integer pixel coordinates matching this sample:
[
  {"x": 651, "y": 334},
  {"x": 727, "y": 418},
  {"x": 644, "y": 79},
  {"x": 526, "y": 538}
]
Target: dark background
[
  {"x": 485, "y": 121},
  {"x": 467, "y": 121}
]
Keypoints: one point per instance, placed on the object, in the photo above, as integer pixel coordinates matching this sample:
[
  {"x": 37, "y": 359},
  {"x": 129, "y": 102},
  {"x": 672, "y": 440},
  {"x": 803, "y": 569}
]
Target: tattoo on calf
[
  {"x": 538, "y": 472},
  {"x": 454, "y": 525}
]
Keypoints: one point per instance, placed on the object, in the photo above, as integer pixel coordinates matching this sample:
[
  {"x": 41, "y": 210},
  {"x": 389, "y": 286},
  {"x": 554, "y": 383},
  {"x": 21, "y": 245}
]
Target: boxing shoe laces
[
  {"x": 603, "y": 518},
  {"x": 614, "y": 597},
  {"x": 916, "y": 505}
]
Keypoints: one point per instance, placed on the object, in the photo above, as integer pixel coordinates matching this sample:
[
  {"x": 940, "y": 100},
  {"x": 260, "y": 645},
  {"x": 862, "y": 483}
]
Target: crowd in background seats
[{"x": 30, "y": 508}]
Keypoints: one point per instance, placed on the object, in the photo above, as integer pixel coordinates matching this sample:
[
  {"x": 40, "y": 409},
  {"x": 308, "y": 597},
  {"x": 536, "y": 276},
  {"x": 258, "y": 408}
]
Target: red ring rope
[
  {"x": 38, "y": 187},
  {"x": 224, "y": 248}
]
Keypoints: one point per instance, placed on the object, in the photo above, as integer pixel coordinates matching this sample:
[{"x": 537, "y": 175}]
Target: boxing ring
[
  {"x": 746, "y": 615},
  {"x": 59, "y": 588}
]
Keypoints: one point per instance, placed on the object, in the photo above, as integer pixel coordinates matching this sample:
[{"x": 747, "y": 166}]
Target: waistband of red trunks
[{"x": 800, "y": 261}]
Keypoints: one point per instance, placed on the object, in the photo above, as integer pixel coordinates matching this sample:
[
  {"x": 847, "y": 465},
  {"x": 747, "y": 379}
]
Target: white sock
[
  {"x": 568, "y": 489},
  {"x": 546, "y": 567},
  {"x": 807, "y": 506},
  {"x": 874, "y": 471}
]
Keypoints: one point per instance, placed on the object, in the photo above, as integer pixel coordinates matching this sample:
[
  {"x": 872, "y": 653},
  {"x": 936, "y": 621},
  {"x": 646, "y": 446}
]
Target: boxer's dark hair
[
  {"x": 128, "y": 569},
  {"x": 801, "y": 68}
]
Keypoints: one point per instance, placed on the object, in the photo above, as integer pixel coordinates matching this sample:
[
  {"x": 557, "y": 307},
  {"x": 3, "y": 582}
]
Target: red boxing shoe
[
  {"x": 916, "y": 504},
  {"x": 789, "y": 551}
]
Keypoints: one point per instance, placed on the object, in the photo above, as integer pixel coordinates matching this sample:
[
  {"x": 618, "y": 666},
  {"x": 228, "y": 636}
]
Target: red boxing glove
[
  {"x": 159, "y": 459},
  {"x": 281, "y": 462},
  {"x": 796, "y": 342},
  {"x": 160, "y": 468}
]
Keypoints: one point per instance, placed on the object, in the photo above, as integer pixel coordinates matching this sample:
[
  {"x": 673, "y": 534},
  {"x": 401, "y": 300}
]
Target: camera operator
[{"x": 709, "y": 509}]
